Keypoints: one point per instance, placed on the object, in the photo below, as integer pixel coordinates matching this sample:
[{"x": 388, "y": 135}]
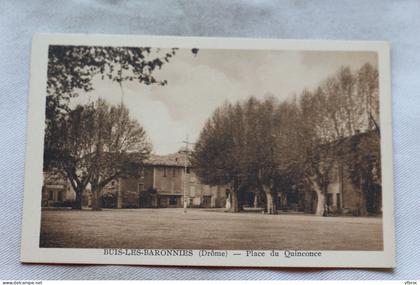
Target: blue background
[{"x": 395, "y": 21}]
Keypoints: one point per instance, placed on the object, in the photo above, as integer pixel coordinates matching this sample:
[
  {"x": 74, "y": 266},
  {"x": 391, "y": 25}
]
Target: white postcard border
[{"x": 32, "y": 253}]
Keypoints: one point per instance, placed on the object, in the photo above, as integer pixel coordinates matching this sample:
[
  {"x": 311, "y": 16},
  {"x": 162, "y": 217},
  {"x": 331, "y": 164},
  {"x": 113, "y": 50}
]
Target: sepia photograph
[{"x": 216, "y": 149}]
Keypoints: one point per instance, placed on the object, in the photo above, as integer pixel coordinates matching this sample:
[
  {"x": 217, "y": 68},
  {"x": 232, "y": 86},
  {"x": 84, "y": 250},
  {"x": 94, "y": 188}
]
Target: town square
[
  {"x": 138, "y": 154},
  {"x": 207, "y": 229}
]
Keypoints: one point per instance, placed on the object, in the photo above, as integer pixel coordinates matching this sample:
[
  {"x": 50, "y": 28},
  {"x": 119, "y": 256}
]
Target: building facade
[
  {"x": 163, "y": 183},
  {"x": 345, "y": 195},
  {"x": 56, "y": 191}
]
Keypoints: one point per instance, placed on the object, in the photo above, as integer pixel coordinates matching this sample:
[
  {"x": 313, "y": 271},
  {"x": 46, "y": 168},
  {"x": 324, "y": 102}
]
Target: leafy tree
[
  {"x": 364, "y": 167},
  {"x": 219, "y": 152},
  {"x": 269, "y": 145},
  {"x": 95, "y": 144},
  {"x": 302, "y": 146},
  {"x": 288, "y": 147},
  {"x": 261, "y": 153},
  {"x": 341, "y": 107},
  {"x": 71, "y": 70},
  {"x": 236, "y": 148}
]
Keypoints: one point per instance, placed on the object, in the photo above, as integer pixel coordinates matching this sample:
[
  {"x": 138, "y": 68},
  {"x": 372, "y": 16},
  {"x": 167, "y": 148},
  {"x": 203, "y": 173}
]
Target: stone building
[
  {"x": 356, "y": 187},
  {"x": 167, "y": 178},
  {"x": 345, "y": 194},
  {"x": 56, "y": 192},
  {"x": 162, "y": 183}
]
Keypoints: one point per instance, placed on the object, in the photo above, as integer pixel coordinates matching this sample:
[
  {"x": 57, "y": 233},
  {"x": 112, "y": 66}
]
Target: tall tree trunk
[
  {"x": 320, "y": 195},
  {"x": 241, "y": 198},
  {"x": 256, "y": 200},
  {"x": 77, "y": 205},
  {"x": 228, "y": 202},
  {"x": 363, "y": 206},
  {"x": 321, "y": 205},
  {"x": 362, "y": 200},
  {"x": 271, "y": 203},
  {"x": 95, "y": 201},
  {"x": 95, "y": 188},
  {"x": 95, "y": 198},
  {"x": 234, "y": 207}
]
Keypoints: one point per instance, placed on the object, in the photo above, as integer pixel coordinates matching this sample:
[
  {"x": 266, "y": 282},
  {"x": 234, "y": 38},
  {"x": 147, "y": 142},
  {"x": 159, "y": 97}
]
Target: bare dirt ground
[{"x": 206, "y": 229}]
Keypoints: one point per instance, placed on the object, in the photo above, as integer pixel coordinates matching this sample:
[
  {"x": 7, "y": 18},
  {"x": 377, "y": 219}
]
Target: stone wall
[{"x": 168, "y": 180}]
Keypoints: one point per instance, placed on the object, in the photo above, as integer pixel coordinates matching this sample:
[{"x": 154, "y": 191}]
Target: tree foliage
[
  {"x": 72, "y": 68},
  {"x": 270, "y": 145},
  {"x": 343, "y": 106},
  {"x": 95, "y": 144}
]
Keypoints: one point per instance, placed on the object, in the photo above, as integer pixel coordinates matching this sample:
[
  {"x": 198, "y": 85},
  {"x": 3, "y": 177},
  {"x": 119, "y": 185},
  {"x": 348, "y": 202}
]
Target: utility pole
[
  {"x": 122, "y": 93},
  {"x": 185, "y": 182}
]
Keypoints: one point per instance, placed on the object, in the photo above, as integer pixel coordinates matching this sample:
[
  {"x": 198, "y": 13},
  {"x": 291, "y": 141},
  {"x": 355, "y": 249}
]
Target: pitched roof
[
  {"x": 175, "y": 159},
  {"x": 350, "y": 143}
]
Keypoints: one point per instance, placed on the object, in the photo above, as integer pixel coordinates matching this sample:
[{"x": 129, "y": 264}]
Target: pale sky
[{"x": 197, "y": 85}]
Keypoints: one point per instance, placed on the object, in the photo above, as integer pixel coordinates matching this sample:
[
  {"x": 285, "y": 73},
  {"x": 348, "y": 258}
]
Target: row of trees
[
  {"x": 269, "y": 145},
  {"x": 96, "y": 143}
]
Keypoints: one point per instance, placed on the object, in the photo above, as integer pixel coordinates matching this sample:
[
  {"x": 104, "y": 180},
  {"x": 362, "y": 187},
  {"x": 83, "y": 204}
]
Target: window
[
  {"x": 329, "y": 199},
  {"x": 61, "y": 196},
  {"x": 340, "y": 172},
  {"x": 188, "y": 170},
  {"x": 50, "y": 195},
  {"x": 141, "y": 187},
  {"x": 338, "y": 201},
  {"x": 113, "y": 183},
  {"x": 164, "y": 172},
  {"x": 334, "y": 173},
  {"x": 172, "y": 200},
  {"x": 173, "y": 172}
]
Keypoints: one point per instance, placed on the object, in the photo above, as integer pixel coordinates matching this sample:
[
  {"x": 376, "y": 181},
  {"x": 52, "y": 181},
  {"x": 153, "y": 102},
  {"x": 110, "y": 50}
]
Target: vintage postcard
[{"x": 209, "y": 152}]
